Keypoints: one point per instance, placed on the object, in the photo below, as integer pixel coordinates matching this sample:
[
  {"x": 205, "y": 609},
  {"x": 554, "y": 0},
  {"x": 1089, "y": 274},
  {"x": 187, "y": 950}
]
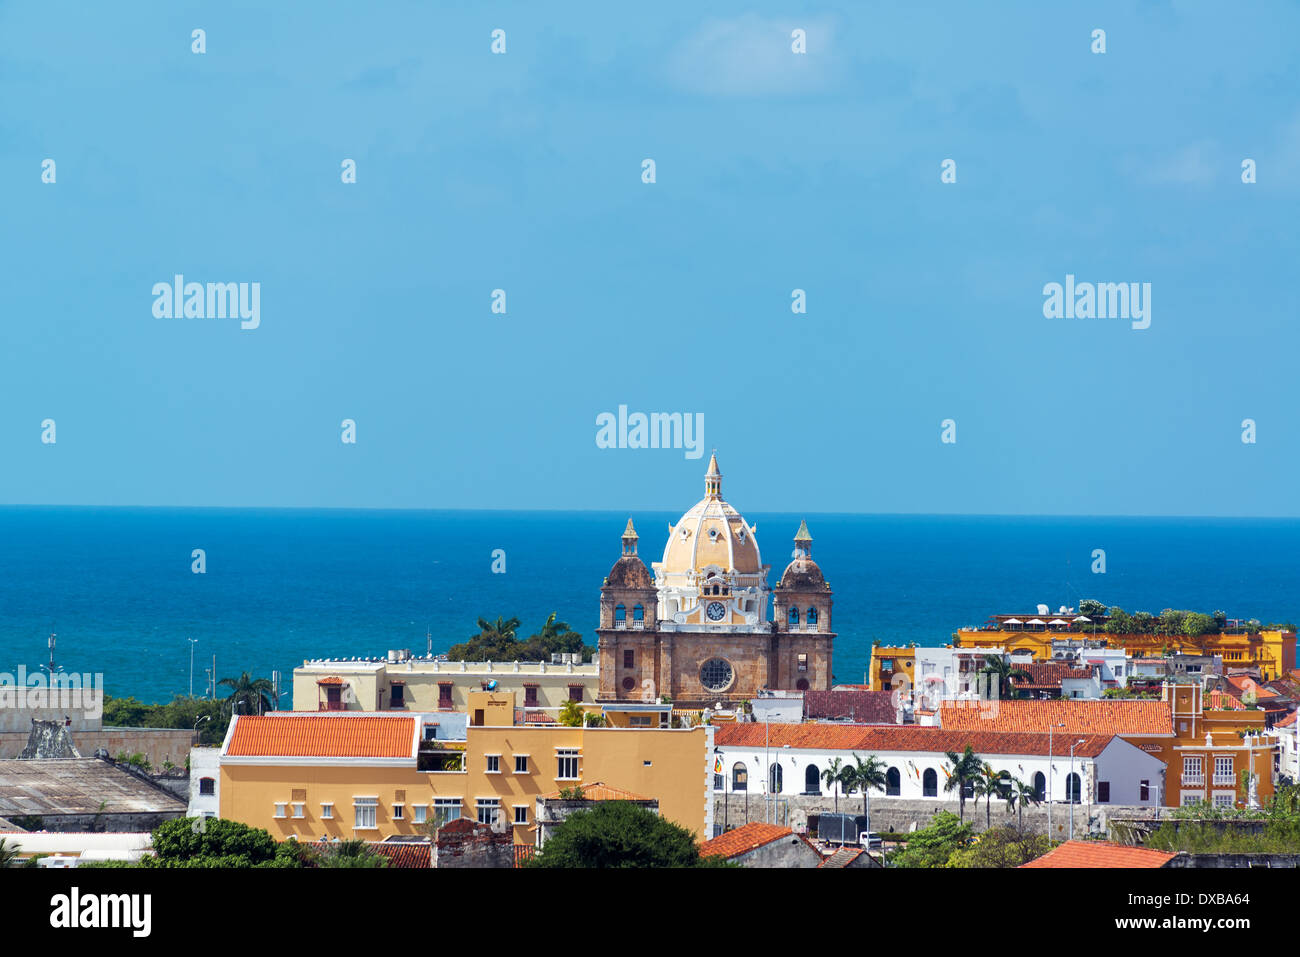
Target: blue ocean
[{"x": 116, "y": 585}]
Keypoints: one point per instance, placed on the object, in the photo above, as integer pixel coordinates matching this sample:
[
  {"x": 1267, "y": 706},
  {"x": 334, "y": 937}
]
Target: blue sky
[{"x": 774, "y": 172}]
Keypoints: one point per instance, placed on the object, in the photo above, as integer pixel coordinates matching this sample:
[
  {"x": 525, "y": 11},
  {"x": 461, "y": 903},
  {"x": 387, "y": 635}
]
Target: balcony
[
  {"x": 1193, "y": 780},
  {"x": 1220, "y": 778},
  {"x": 629, "y": 625},
  {"x": 331, "y": 706}
]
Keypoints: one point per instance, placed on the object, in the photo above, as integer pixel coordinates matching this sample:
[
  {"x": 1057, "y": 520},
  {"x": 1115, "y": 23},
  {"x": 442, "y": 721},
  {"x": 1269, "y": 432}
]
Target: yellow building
[
  {"x": 370, "y": 776},
  {"x": 892, "y": 668},
  {"x": 401, "y": 682},
  {"x": 1272, "y": 652}
]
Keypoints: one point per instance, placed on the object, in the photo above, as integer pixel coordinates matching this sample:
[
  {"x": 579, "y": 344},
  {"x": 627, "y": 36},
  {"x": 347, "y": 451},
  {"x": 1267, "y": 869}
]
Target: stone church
[{"x": 705, "y": 627}]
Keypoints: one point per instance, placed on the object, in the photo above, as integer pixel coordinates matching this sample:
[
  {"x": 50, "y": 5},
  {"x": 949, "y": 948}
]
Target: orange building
[{"x": 330, "y": 775}]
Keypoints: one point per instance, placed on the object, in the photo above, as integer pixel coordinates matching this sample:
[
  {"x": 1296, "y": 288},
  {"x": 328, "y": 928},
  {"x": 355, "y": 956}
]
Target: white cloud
[{"x": 751, "y": 56}]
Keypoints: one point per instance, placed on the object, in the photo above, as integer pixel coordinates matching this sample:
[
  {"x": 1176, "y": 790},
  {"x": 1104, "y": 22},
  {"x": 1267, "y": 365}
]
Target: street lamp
[
  {"x": 1067, "y": 787},
  {"x": 193, "y": 642},
  {"x": 1048, "y": 788}
]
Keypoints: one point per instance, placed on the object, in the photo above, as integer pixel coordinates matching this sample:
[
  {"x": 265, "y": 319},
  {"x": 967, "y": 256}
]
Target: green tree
[
  {"x": 216, "y": 842},
  {"x": 833, "y": 775},
  {"x": 1118, "y": 622},
  {"x": 869, "y": 774},
  {"x": 494, "y": 642},
  {"x": 996, "y": 665},
  {"x": 1020, "y": 796},
  {"x": 988, "y": 785},
  {"x": 570, "y": 714},
  {"x": 9, "y": 854},
  {"x": 350, "y": 854},
  {"x": 1091, "y": 608},
  {"x": 248, "y": 695},
  {"x": 555, "y": 638},
  {"x": 933, "y": 845},
  {"x": 965, "y": 768},
  {"x": 1001, "y": 847},
  {"x": 619, "y": 834}
]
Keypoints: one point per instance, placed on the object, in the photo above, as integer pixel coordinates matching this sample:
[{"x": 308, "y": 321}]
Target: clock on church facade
[{"x": 705, "y": 627}]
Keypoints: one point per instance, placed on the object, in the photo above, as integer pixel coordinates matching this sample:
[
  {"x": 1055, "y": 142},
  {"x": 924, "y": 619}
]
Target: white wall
[{"x": 204, "y": 763}]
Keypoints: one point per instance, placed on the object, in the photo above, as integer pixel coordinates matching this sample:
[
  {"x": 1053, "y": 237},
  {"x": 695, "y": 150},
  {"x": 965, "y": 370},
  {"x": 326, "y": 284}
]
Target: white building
[
  {"x": 947, "y": 674},
  {"x": 790, "y": 759},
  {"x": 779, "y": 707},
  {"x": 205, "y": 782}
]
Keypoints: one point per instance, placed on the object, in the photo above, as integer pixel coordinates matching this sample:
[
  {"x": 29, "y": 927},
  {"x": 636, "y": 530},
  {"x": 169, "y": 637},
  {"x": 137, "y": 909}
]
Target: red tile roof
[
  {"x": 1222, "y": 701},
  {"x": 1101, "y": 854},
  {"x": 1046, "y": 675},
  {"x": 600, "y": 791},
  {"x": 403, "y": 854},
  {"x": 327, "y": 735},
  {"x": 1079, "y": 715},
  {"x": 843, "y": 857},
  {"x": 743, "y": 839},
  {"x": 867, "y": 707},
  {"x": 867, "y": 739},
  {"x": 331, "y": 680}
]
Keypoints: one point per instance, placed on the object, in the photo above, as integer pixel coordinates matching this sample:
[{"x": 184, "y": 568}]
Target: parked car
[{"x": 871, "y": 841}]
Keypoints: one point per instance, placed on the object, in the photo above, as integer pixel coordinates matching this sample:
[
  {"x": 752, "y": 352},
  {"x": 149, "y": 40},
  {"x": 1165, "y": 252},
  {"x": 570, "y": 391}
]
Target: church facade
[{"x": 705, "y": 627}]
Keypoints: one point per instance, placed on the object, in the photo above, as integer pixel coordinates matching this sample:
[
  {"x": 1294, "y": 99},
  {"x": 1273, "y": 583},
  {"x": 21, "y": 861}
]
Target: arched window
[
  {"x": 930, "y": 783},
  {"x": 620, "y": 613},
  {"x": 893, "y": 782},
  {"x": 811, "y": 618},
  {"x": 794, "y": 615},
  {"x": 775, "y": 778},
  {"x": 812, "y": 780},
  {"x": 1040, "y": 786},
  {"x": 638, "y": 613},
  {"x": 739, "y": 777},
  {"x": 1072, "y": 788}
]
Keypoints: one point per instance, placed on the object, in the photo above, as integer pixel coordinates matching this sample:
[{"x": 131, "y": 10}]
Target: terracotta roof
[
  {"x": 1223, "y": 701},
  {"x": 867, "y": 739},
  {"x": 1287, "y": 721},
  {"x": 1079, "y": 715},
  {"x": 1101, "y": 854},
  {"x": 843, "y": 857},
  {"x": 600, "y": 791},
  {"x": 331, "y": 680},
  {"x": 403, "y": 854},
  {"x": 868, "y": 707},
  {"x": 322, "y": 736},
  {"x": 1045, "y": 675},
  {"x": 743, "y": 839},
  {"x": 1243, "y": 683}
]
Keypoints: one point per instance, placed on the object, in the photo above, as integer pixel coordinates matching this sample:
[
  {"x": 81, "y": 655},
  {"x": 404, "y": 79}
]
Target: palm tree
[
  {"x": 834, "y": 775},
  {"x": 869, "y": 774},
  {"x": 571, "y": 714},
  {"x": 254, "y": 694},
  {"x": 1021, "y": 795},
  {"x": 988, "y": 784},
  {"x": 995, "y": 665},
  {"x": 965, "y": 768},
  {"x": 8, "y": 854}
]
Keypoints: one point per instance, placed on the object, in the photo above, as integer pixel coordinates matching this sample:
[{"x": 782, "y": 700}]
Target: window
[
  {"x": 207, "y": 786},
  {"x": 444, "y": 695},
  {"x": 739, "y": 777},
  {"x": 366, "y": 810},
  {"x": 1223, "y": 773},
  {"x": 1224, "y": 799},
  {"x": 812, "y": 780},
  {"x": 521, "y": 764},
  {"x": 397, "y": 696},
  {"x": 521, "y": 813},
  {"x": 620, "y": 613},
  {"x": 493, "y": 764},
  {"x": 488, "y": 809},
  {"x": 445, "y": 809},
  {"x": 812, "y": 616},
  {"x": 279, "y": 809},
  {"x": 1040, "y": 786},
  {"x": 716, "y": 674},
  {"x": 719, "y": 782},
  {"x": 801, "y": 684},
  {"x": 629, "y": 658},
  {"x": 638, "y": 613},
  {"x": 575, "y": 693},
  {"x": 299, "y": 810},
  {"x": 775, "y": 778},
  {"x": 930, "y": 783},
  {"x": 399, "y": 812},
  {"x": 639, "y": 721},
  {"x": 566, "y": 760},
  {"x": 1144, "y": 791},
  {"x": 1103, "y": 792},
  {"x": 629, "y": 683},
  {"x": 530, "y": 696},
  {"x": 327, "y": 812},
  {"x": 886, "y": 664},
  {"x": 1072, "y": 788},
  {"x": 893, "y": 783},
  {"x": 420, "y": 812},
  {"x": 803, "y": 662},
  {"x": 793, "y": 617},
  {"x": 1190, "y": 798}
]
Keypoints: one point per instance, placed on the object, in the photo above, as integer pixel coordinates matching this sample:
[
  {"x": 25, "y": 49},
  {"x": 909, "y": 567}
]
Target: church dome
[
  {"x": 803, "y": 574},
  {"x": 711, "y": 534}
]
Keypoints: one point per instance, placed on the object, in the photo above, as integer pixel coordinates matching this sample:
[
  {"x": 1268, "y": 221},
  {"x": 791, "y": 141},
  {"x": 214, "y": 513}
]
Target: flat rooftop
[{"x": 52, "y": 786}]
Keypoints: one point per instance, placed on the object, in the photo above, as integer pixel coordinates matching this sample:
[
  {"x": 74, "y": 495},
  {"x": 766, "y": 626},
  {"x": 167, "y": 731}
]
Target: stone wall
[
  {"x": 156, "y": 744},
  {"x": 465, "y": 843},
  {"x": 902, "y": 816},
  {"x": 1236, "y": 860}
]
